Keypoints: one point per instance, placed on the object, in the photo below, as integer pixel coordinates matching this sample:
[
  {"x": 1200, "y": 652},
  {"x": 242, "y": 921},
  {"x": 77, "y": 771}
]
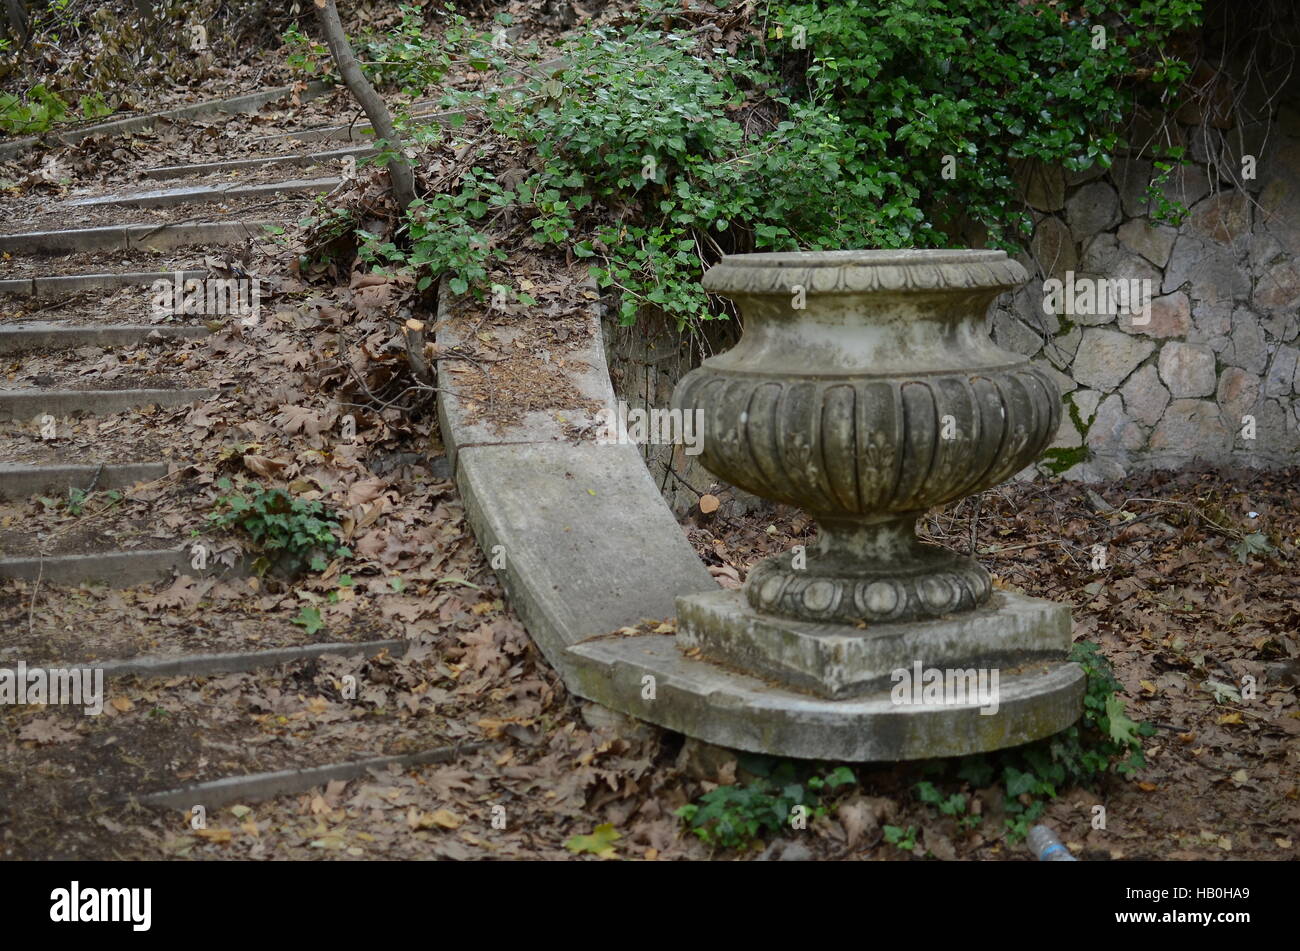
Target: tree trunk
[
  {"x": 399, "y": 171},
  {"x": 16, "y": 12}
]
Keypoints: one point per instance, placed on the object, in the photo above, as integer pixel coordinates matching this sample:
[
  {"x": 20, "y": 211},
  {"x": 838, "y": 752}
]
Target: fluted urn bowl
[{"x": 866, "y": 389}]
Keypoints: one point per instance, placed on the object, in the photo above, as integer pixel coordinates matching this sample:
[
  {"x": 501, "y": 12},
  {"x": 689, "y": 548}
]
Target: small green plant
[
  {"x": 405, "y": 57},
  {"x": 293, "y": 533},
  {"x": 1256, "y": 543},
  {"x": 954, "y": 805},
  {"x": 76, "y": 501},
  {"x": 309, "y": 619},
  {"x": 37, "y": 113},
  {"x": 43, "y": 108},
  {"x": 902, "y": 839},
  {"x": 1166, "y": 210},
  {"x": 732, "y": 817},
  {"x": 305, "y": 55},
  {"x": 1105, "y": 740}
]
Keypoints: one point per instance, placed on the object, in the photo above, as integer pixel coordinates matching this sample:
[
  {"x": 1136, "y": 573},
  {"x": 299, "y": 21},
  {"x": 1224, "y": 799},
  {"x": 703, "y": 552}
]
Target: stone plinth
[{"x": 838, "y": 661}]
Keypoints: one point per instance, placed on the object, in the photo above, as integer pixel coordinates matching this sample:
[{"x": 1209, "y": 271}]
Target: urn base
[
  {"x": 848, "y": 582},
  {"x": 841, "y": 661}
]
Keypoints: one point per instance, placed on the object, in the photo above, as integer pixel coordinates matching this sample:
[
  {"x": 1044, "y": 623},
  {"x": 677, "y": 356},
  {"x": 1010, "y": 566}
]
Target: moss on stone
[{"x": 1057, "y": 461}]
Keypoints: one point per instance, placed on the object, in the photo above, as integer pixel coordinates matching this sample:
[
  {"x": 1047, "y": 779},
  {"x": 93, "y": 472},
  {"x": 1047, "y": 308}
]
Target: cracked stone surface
[
  {"x": 1187, "y": 369},
  {"x": 1107, "y": 357}
]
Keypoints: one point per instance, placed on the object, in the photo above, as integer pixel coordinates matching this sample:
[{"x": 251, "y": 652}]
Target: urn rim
[
  {"x": 856, "y": 271},
  {"x": 864, "y": 257}
]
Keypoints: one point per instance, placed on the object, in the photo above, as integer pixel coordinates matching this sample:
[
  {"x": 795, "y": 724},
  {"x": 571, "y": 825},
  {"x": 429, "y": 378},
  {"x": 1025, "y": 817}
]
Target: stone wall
[
  {"x": 1218, "y": 354},
  {"x": 645, "y": 362},
  {"x": 1220, "y": 347}
]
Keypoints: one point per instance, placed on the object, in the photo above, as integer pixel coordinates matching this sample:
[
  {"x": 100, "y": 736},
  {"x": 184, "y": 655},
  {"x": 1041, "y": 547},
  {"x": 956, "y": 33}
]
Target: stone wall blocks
[
  {"x": 1093, "y": 208},
  {"x": 1145, "y": 397},
  {"x": 1191, "y": 429},
  {"x": 1106, "y": 357},
  {"x": 1131, "y": 176},
  {"x": 1153, "y": 241},
  {"x": 1187, "y": 369},
  {"x": 1223, "y": 218},
  {"x": 1278, "y": 287},
  {"x": 1279, "y": 381},
  {"x": 1112, "y": 431},
  {"x": 1247, "y": 348},
  {"x": 1053, "y": 248},
  {"x": 1060, "y": 350},
  {"x": 1170, "y": 316}
]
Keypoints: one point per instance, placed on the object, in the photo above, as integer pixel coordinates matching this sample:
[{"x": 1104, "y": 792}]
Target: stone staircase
[
  {"x": 37, "y": 413},
  {"x": 58, "y": 435}
]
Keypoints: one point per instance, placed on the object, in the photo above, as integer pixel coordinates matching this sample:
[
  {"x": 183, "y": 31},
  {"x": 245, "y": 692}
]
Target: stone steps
[
  {"x": 61, "y": 284},
  {"x": 359, "y": 132},
  {"x": 37, "y": 401},
  {"x": 421, "y": 112},
  {"x": 257, "y": 786},
  {"x": 234, "y": 105},
  {"x": 169, "y": 197},
  {"x": 22, "y": 336},
  {"x": 18, "y": 479},
  {"x": 134, "y": 237},
  {"x": 82, "y": 456},
  {"x": 300, "y": 159},
  {"x": 195, "y": 665},
  {"x": 118, "y": 569}
]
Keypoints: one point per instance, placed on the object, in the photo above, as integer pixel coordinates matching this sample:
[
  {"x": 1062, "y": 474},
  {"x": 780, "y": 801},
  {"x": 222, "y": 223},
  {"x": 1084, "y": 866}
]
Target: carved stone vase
[
  {"x": 880, "y": 397},
  {"x": 865, "y": 389}
]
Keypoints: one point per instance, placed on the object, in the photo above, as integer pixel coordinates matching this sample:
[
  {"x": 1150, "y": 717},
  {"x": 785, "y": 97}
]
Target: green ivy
[
  {"x": 293, "y": 533},
  {"x": 987, "y": 82},
  {"x": 1104, "y": 741},
  {"x": 733, "y": 817}
]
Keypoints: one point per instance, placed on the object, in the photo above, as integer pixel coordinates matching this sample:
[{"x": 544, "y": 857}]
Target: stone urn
[{"x": 865, "y": 389}]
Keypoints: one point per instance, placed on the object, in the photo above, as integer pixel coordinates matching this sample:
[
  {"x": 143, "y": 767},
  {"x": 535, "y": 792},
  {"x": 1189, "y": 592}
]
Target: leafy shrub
[
  {"x": 1043, "y": 83},
  {"x": 293, "y": 533},
  {"x": 652, "y": 155},
  {"x": 403, "y": 57}
]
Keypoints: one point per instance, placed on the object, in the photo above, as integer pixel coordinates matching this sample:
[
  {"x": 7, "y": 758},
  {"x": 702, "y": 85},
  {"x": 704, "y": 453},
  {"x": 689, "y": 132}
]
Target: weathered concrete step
[
  {"x": 168, "y": 197},
  {"x": 220, "y": 792},
  {"x": 25, "y": 404},
  {"x": 238, "y": 104},
  {"x": 119, "y": 569},
  {"x": 49, "y": 335},
  {"x": 18, "y": 480},
  {"x": 358, "y": 132},
  {"x": 134, "y": 237},
  {"x": 196, "y": 665},
  {"x": 60, "y": 284},
  {"x": 298, "y": 159}
]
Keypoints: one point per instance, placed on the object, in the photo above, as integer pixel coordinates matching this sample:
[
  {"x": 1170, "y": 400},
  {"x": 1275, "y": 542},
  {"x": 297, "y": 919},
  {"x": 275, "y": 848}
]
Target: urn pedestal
[{"x": 865, "y": 389}]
